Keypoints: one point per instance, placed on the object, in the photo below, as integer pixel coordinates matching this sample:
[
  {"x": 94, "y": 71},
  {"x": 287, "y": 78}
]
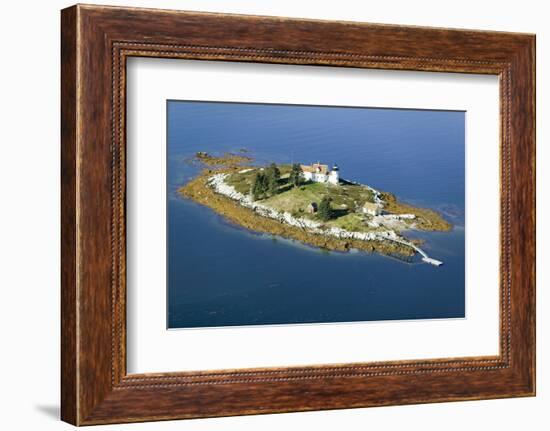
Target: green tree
[
  {"x": 274, "y": 170},
  {"x": 296, "y": 176},
  {"x": 273, "y": 174},
  {"x": 325, "y": 211},
  {"x": 257, "y": 189},
  {"x": 273, "y": 185},
  {"x": 264, "y": 183},
  {"x": 254, "y": 192},
  {"x": 260, "y": 186}
]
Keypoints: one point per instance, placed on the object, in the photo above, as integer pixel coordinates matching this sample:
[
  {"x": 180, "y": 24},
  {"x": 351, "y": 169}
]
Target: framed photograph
[{"x": 264, "y": 215}]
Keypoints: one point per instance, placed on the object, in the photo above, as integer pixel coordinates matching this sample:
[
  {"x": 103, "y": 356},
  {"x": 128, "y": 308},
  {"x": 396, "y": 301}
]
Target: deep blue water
[{"x": 223, "y": 275}]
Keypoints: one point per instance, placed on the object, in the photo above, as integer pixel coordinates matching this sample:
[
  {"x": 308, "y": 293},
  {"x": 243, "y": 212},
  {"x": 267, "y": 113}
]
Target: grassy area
[
  {"x": 346, "y": 198},
  {"x": 297, "y": 199},
  {"x": 353, "y": 222},
  {"x": 242, "y": 181},
  {"x": 351, "y": 195}
]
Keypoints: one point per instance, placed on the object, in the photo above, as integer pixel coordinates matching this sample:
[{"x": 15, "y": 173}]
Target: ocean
[{"x": 222, "y": 275}]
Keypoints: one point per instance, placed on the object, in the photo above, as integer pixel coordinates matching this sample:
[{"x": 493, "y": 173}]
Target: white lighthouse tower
[{"x": 334, "y": 175}]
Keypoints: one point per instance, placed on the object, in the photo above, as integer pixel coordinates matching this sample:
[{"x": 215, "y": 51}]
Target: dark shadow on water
[{"x": 52, "y": 411}]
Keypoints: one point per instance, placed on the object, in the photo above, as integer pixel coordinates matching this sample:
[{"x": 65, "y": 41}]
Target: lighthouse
[
  {"x": 319, "y": 173},
  {"x": 334, "y": 175}
]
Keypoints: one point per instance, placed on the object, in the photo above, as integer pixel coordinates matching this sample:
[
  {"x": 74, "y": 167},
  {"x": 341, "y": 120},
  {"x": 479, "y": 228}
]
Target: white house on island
[{"x": 319, "y": 173}]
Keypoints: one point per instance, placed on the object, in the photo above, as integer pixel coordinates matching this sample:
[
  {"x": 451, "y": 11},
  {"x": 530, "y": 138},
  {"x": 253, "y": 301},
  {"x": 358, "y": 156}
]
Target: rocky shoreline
[{"x": 201, "y": 191}]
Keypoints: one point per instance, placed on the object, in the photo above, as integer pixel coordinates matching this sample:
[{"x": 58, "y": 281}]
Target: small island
[{"x": 312, "y": 204}]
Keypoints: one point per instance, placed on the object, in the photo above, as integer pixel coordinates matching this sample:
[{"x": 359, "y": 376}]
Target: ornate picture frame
[{"x": 96, "y": 41}]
